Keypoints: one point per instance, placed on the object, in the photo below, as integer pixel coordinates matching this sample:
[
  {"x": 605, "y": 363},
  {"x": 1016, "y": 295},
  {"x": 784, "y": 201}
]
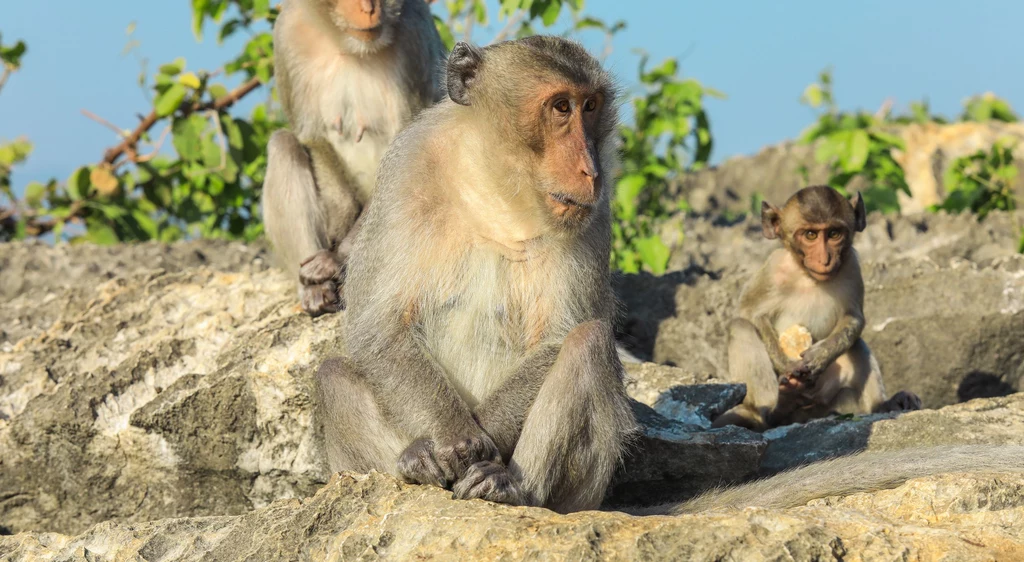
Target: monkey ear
[
  {"x": 769, "y": 220},
  {"x": 860, "y": 220},
  {"x": 463, "y": 65}
]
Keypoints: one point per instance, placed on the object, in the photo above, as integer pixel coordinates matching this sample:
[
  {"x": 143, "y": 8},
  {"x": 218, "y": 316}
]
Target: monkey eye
[
  {"x": 590, "y": 105},
  {"x": 811, "y": 234},
  {"x": 562, "y": 106},
  {"x": 835, "y": 234}
]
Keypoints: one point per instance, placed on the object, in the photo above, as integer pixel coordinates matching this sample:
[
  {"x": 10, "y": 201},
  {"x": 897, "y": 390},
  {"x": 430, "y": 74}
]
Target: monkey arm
[
  {"x": 503, "y": 413},
  {"x": 770, "y": 339},
  {"x": 412, "y": 389},
  {"x": 822, "y": 354}
]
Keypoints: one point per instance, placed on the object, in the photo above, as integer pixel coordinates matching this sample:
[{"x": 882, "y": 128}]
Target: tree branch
[
  {"x": 129, "y": 145},
  {"x": 6, "y": 74}
]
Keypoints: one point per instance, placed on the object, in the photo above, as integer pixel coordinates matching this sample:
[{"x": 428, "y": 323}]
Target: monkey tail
[
  {"x": 863, "y": 472},
  {"x": 292, "y": 215}
]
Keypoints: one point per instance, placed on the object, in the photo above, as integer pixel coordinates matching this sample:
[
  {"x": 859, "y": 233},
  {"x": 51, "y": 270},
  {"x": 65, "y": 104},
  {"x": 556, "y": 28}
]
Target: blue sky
[{"x": 761, "y": 54}]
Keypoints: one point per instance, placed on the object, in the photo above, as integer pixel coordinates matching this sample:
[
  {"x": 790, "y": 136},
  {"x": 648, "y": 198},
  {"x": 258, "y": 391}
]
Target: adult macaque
[
  {"x": 350, "y": 75},
  {"x": 813, "y": 281},
  {"x": 482, "y": 356}
]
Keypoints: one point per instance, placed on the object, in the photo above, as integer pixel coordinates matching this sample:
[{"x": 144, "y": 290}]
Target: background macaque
[
  {"x": 480, "y": 306},
  {"x": 350, "y": 74},
  {"x": 813, "y": 281}
]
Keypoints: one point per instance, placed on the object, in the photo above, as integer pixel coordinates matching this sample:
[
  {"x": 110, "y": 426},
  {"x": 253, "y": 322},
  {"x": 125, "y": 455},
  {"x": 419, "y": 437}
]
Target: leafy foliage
[
  {"x": 13, "y": 152},
  {"x": 987, "y": 107},
  {"x": 981, "y": 182},
  {"x": 201, "y": 173},
  {"x": 671, "y": 132},
  {"x": 854, "y": 145},
  {"x": 519, "y": 18}
]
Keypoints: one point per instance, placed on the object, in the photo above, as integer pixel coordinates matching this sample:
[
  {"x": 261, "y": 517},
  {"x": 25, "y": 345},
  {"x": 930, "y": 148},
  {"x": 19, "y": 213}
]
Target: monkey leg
[
  {"x": 574, "y": 432},
  {"x": 339, "y": 196},
  {"x": 356, "y": 436},
  {"x": 297, "y": 225},
  {"x": 852, "y": 384},
  {"x": 750, "y": 364},
  {"x": 292, "y": 214}
]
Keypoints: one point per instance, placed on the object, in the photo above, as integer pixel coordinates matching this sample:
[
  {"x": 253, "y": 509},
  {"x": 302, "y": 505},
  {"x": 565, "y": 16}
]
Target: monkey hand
[
  {"x": 455, "y": 456},
  {"x": 320, "y": 283},
  {"x": 789, "y": 383},
  {"x": 813, "y": 361},
  {"x": 418, "y": 465},
  {"x": 491, "y": 481}
]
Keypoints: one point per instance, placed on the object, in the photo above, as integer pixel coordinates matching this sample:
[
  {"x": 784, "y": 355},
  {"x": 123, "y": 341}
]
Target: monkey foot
[
  {"x": 325, "y": 298},
  {"x": 902, "y": 401},
  {"x": 456, "y": 456},
  {"x": 491, "y": 481},
  {"x": 320, "y": 283},
  {"x": 418, "y": 465}
]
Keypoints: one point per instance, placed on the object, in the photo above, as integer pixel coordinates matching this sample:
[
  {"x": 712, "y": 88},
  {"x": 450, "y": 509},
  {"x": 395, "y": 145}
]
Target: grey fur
[
  {"x": 310, "y": 204},
  {"x": 864, "y": 472},
  {"x": 446, "y": 356}
]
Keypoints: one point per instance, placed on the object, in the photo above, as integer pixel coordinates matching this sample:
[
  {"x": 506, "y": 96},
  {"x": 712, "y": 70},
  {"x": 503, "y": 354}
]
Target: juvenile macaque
[
  {"x": 814, "y": 282},
  {"x": 482, "y": 356},
  {"x": 350, "y": 75}
]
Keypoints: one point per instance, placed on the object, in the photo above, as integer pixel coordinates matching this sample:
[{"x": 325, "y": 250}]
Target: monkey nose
[
  {"x": 588, "y": 168},
  {"x": 368, "y": 6}
]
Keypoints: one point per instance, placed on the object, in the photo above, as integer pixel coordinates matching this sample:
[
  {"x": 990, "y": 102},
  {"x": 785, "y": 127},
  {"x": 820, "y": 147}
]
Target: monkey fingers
[
  {"x": 456, "y": 456},
  {"x": 491, "y": 481},
  {"x": 791, "y": 384},
  {"x": 418, "y": 465},
  {"x": 815, "y": 360},
  {"x": 320, "y": 299},
  {"x": 321, "y": 267}
]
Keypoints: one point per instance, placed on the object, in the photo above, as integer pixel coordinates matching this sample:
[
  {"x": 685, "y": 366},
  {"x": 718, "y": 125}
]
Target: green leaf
[
  {"x": 653, "y": 253},
  {"x": 813, "y": 95},
  {"x": 217, "y": 91},
  {"x": 198, "y": 12},
  {"x": 628, "y": 189},
  {"x": 190, "y": 80},
  {"x": 550, "y": 15},
  {"x": 78, "y": 183},
  {"x": 446, "y": 34},
  {"x": 173, "y": 68},
  {"x": 856, "y": 153},
  {"x": 188, "y": 136},
  {"x": 101, "y": 234},
  {"x": 168, "y": 102},
  {"x": 34, "y": 194},
  {"x": 260, "y": 8},
  {"x": 480, "y": 11}
]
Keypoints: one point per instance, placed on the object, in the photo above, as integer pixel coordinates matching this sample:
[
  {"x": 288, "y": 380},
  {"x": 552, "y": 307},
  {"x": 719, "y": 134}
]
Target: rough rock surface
[
  {"x": 181, "y": 386},
  {"x": 371, "y": 517},
  {"x": 155, "y": 404}
]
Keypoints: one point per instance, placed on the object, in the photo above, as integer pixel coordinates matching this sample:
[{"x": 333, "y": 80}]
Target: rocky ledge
[{"x": 155, "y": 404}]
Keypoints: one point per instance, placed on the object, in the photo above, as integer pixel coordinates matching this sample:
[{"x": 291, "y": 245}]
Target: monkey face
[
  {"x": 571, "y": 164},
  {"x": 817, "y": 225},
  {"x": 821, "y": 248},
  {"x": 549, "y": 106},
  {"x": 365, "y": 23}
]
